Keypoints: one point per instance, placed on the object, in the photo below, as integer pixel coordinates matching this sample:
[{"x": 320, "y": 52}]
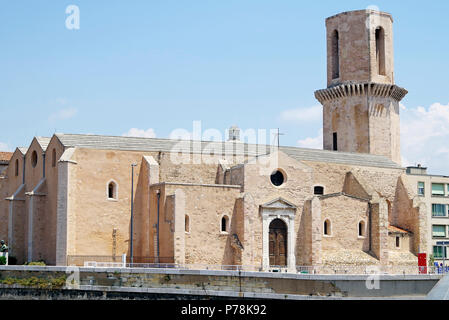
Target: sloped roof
[
  {"x": 43, "y": 142},
  {"x": 23, "y": 150},
  {"x": 394, "y": 229},
  {"x": 225, "y": 148}
]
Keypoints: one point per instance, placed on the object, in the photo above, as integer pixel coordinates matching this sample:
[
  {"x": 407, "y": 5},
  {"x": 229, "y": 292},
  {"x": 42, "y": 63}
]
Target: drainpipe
[
  {"x": 23, "y": 171},
  {"x": 370, "y": 225},
  {"x": 157, "y": 231}
]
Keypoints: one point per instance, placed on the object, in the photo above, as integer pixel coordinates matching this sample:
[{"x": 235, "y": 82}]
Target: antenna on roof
[{"x": 278, "y": 134}]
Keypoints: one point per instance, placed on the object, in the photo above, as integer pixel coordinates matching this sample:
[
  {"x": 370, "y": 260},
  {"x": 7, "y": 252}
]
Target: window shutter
[{"x": 438, "y": 189}]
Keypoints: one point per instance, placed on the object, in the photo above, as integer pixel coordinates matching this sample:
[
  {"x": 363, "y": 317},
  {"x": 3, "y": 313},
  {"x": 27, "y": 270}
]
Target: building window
[
  {"x": 438, "y": 210},
  {"x": 438, "y": 231},
  {"x": 380, "y": 50},
  {"x": 277, "y": 178},
  {"x": 361, "y": 229},
  {"x": 16, "y": 169},
  {"x": 34, "y": 159},
  {"x": 318, "y": 190},
  {"x": 421, "y": 190},
  {"x": 398, "y": 242},
  {"x": 335, "y": 55},
  {"x": 187, "y": 223},
  {"x": 437, "y": 189},
  {"x": 112, "y": 190},
  {"x": 335, "y": 142},
  {"x": 438, "y": 252},
  {"x": 53, "y": 158},
  {"x": 327, "y": 228},
  {"x": 224, "y": 224}
]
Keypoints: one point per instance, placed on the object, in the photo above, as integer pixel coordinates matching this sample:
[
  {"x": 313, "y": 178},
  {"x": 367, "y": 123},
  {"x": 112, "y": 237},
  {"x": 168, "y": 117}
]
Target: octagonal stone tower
[{"x": 361, "y": 101}]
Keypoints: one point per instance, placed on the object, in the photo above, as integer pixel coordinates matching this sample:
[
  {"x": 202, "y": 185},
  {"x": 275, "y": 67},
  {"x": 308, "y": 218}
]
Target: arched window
[
  {"x": 53, "y": 158},
  {"x": 380, "y": 50},
  {"x": 335, "y": 55},
  {"x": 224, "y": 224},
  {"x": 318, "y": 190},
  {"x": 187, "y": 223},
  {"x": 34, "y": 159},
  {"x": 361, "y": 229},
  {"x": 327, "y": 228},
  {"x": 112, "y": 190},
  {"x": 16, "y": 169}
]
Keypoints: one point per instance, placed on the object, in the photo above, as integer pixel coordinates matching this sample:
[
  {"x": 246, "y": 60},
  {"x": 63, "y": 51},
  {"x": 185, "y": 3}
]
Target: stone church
[{"x": 67, "y": 199}]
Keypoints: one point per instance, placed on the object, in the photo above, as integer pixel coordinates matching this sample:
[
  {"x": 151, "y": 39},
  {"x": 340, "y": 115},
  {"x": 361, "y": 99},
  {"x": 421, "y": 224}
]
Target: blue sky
[{"x": 150, "y": 67}]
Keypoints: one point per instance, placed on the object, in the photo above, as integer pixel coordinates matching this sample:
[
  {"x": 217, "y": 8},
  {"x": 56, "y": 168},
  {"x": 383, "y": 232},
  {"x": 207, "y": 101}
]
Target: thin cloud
[
  {"x": 63, "y": 114},
  {"x": 4, "y": 147},
  {"x": 312, "y": 142},
  {"x": 301, "y": 115},
  {"x": 425, "y": 136}
]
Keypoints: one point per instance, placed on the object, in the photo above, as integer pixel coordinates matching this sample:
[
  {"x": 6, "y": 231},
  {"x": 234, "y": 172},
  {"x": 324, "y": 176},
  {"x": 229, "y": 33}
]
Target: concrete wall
[{"x": 222, "y": 283}]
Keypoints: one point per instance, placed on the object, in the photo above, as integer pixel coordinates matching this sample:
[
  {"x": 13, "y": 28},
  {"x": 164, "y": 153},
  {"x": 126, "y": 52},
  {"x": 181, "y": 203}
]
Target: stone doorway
[{"x": 278, "y": 243}]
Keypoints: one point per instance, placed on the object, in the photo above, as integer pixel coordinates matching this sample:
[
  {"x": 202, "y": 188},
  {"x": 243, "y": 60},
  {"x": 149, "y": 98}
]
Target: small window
[
  {"x": 318, "y": 190},
  {"x": 438, "y": 252},
  {"x": 335, "y": 142},
  {"x": 112, "y": 190},
  {"x": 438, "y": 231},
  {"x": 438, "y": 210},
  {"x": 437, "y": 189},
  {"x": 34, "y": 159},
  {"x": 53, "y": 158},
  {"x": 224, "y": 224},
  {"x": 187, "y": 223},
  {"x": 16, "y": 169},
  {"x": 327, "y": 228},
  {"x": 398, "y": 242},
  {"x": 361, "y": 229},
  {"x": 277, "y": 178},
  {"x": 421, "y": 188}
]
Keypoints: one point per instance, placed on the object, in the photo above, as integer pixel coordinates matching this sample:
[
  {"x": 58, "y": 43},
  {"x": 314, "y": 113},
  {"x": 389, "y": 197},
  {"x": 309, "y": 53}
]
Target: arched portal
[{"x": 278, "y": 243}]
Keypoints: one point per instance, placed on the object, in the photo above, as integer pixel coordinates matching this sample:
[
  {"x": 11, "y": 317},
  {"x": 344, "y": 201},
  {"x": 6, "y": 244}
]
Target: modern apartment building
[{"x": 435, "y": 192}]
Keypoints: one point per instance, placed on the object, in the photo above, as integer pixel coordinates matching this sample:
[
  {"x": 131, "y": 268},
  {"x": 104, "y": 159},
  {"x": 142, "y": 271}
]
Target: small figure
[{"x": 4, "y": 247}]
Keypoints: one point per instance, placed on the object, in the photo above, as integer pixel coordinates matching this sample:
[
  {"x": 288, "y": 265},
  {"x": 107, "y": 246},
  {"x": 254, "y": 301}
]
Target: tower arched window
[
  {"x": 380, "y": 50},
  {"x": 335, "y": 47}
]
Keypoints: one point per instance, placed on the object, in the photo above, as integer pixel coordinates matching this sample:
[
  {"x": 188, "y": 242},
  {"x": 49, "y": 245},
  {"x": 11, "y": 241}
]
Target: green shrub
[
  {"x": 35, "y": 263},
  {"x": 34, "y": 282},
  {"x": 2, "y": 261}
]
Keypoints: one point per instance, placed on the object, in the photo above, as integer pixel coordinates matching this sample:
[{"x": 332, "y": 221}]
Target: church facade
[{"x": 67, "y": 199}]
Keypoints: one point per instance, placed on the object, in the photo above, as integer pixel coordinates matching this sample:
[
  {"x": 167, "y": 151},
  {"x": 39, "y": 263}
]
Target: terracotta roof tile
[
  {"x": 5, "y": 156},
  {"x": 397, "y": 230}
]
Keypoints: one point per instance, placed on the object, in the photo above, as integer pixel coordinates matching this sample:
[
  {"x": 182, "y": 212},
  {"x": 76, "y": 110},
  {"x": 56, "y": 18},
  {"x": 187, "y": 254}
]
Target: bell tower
[{"x": 361, "y": 101}]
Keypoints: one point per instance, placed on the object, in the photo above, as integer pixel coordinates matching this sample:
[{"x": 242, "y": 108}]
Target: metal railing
[{"x": 167, "y": 263}]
